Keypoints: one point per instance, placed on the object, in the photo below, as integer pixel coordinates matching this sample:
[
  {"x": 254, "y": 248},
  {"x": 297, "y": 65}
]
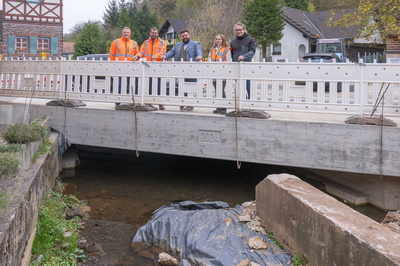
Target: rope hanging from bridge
[
  {"x": 136, "y": 127},
  {"x": 238, "y": 163},
  {"x": 381, "y": 98}
]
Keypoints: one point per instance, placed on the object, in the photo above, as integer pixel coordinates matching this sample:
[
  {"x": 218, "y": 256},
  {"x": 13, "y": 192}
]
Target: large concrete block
[{"x": 311, "y": 223}]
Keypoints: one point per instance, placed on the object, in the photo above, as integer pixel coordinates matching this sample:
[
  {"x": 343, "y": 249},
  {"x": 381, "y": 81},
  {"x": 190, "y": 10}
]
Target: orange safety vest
[
  {"x": 215, "y": 56},
  {"x": 149, "y": 48},
  {"x": 123, "y": 50}
]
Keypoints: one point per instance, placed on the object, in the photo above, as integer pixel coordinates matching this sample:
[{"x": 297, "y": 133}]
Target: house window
[
  {"x": 43, "y": 44},
  {"x": 276, "y": 49},
  {"x": 170, "y": 35},
  {"x": 21, "y": 44}
]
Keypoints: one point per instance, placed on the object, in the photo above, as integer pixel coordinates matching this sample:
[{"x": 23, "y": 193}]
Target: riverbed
[{"x": 123, "y": 194}]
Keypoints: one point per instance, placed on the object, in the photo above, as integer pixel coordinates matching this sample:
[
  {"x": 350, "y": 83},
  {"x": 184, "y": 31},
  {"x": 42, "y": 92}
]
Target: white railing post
[
  {"x": 361, "y": 93},
  {"x": 238, "y": 93},
  {"x": 143, "y": 83}
]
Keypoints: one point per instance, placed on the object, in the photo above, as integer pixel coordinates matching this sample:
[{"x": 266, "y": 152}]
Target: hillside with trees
[{"x": 206, "y": 18}]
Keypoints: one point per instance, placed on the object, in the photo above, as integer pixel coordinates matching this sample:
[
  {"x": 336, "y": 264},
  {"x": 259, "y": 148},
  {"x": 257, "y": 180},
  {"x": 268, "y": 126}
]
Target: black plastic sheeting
[{"x": 198, "y": 234}]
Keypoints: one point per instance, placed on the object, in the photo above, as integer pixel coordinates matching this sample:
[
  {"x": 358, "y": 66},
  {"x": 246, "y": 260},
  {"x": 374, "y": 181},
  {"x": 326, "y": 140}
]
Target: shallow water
[{"x": 122, "y": 196}]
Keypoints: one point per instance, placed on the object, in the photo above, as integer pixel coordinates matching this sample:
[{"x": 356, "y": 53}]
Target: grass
[
  {"x": 51, "y": 246},
  {"x": 11, "y": 148},
  {"x": 9, "y": 164},
  {"x": 3, "y": 200},
  {"x": 44, "y": 148},
  {"x": 24, "y": 133},
  {"x": 298, "y": 260}
]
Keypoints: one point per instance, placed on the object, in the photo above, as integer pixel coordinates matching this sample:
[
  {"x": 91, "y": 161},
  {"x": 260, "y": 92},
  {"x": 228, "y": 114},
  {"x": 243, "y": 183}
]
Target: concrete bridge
[{"x": 308, "y": 103}]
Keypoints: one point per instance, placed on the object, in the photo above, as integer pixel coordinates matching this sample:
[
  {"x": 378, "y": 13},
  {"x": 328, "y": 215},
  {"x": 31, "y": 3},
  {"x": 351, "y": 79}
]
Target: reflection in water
[{"x": 122, "y": 196}]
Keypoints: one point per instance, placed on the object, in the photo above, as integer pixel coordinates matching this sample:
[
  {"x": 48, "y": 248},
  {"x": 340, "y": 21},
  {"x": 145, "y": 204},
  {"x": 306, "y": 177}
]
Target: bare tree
[{"x": 216, "y": 17}]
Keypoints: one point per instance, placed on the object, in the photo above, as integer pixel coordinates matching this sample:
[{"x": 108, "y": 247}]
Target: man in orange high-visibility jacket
[
  {"x": 152, "y": 49},
  {"x": 124, "y": 49}
]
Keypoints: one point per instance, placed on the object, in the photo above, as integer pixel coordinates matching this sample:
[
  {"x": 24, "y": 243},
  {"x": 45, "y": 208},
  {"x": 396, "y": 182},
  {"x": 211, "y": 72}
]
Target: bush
[
  {"x": 50, "y": 243},
  {"x": 9, "y": 164},
  {"x": 11, "y": 148},
  {"x": 24, "y": 133}
]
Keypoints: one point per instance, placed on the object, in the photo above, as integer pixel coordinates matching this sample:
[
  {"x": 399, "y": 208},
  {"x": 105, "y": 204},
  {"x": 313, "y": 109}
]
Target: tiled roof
[
  {"x": 312, "y": 24},
  {"x": 177, "y": 24}
]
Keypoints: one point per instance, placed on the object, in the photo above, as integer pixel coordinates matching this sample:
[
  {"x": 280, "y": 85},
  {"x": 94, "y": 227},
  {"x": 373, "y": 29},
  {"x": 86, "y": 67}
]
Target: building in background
[
  {"x": 31, "y": 28},
  {"x": 170, "y": 31}
]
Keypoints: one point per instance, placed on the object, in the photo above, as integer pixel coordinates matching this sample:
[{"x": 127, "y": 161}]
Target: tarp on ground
[{"x": 207, "y": 233}]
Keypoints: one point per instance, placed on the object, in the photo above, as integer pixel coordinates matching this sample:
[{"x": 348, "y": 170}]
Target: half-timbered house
[{"x": 32, "y": 27}]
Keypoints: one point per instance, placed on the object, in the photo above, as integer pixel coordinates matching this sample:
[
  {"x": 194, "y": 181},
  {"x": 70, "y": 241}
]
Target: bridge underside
[{"x": 370, "y": 153}]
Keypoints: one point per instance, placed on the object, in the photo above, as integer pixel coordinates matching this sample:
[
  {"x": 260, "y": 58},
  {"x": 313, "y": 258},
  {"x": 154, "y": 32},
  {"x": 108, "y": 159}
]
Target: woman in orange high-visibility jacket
[
  {"x": 220, "y": 52},
  {"x": 124, "y": 49}
]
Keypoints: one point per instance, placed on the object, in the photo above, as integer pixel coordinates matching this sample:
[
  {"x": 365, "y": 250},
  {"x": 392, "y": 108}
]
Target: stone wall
[
  {"x": 18, "y": 221},
  {"x": 39, "y": 30},
  {"x": 313, "y": 224}
]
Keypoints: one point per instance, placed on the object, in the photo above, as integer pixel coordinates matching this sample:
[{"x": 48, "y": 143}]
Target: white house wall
[{"x": 290, "y": 42}]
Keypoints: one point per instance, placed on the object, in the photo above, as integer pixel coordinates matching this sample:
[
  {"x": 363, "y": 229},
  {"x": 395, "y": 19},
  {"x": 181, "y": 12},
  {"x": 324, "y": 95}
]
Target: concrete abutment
[{"x": 311, "y": 223}]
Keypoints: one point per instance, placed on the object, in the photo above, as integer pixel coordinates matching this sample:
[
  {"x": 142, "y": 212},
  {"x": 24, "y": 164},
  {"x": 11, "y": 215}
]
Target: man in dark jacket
[{"x": 243, "y": 48}]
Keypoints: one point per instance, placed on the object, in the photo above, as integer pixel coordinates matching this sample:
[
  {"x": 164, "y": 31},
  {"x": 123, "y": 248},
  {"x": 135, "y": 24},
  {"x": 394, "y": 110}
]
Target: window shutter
[
  {"x": 32, "y": 44},
  {"x": 11, "y": 44},
  {"x": 54, "y": 45}
]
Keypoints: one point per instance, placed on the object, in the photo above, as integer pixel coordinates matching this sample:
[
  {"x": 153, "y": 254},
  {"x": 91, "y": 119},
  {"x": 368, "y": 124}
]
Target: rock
[
  {"x": 227, "y": 221},
  {"x": 78, "y": 211},
  {"x": 67, "y": 234},
  {"x": 392, "y": 220},
  {"x": 2, "y": 142},
  {"x": 245, "y": 218},
  {"x": 245, "y": 262},
  {"x": 256, "y": 226},
  {"x": 69, "y": 214},
  {"x": 95, "y": 249},
  {"x": 166, "y": 259},
  {"x": 256, "y": 242}
]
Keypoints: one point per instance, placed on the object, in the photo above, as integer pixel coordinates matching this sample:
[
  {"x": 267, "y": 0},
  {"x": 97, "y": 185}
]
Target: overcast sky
[{"x": 80, "y": 11}]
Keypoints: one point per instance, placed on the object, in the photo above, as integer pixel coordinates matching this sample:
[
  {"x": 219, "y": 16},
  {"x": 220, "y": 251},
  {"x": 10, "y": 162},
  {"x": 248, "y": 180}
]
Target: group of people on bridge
[{"x": 241, "y": 48}]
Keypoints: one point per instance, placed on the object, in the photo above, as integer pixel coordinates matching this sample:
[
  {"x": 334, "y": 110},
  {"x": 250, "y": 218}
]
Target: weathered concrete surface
[
  {"x": 311, "y": 223},
  {"x": 318, "y": 145},
  {"x": 18, "y": 222},
  {"x": 381, "y": 191}
]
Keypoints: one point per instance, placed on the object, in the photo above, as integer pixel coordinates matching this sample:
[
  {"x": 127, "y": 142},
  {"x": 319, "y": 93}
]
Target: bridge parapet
[{"x": 307, "y": 87}]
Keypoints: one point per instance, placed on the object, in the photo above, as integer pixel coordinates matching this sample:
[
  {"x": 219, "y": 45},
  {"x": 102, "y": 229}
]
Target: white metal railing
[{"x": 308, "y": 87}]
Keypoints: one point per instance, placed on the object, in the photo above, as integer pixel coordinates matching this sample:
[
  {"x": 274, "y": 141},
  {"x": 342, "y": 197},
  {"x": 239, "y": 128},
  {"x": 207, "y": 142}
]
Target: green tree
[
  {"x": 124, "y": 19},
  {"x": 89, "y": 39},
  {"x": 165, "y": 9},
  {"x": 375, "y": 18},
  {"x": 264, "y": 21},
  {"x": 298, "y": 4},
  {"x": 144, "y": 20},
  {"x": 111, "y": 15}
]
